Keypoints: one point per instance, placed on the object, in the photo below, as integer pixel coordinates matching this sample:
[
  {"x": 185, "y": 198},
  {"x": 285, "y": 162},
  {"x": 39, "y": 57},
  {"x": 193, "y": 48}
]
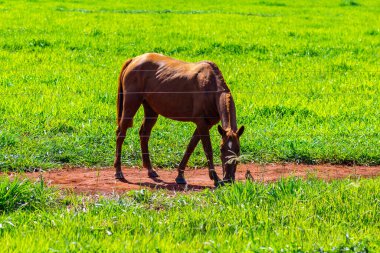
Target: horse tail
[{"x": 119, "y": 103}]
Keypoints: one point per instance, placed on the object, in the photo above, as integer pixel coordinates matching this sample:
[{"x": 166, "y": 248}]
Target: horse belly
[
  {"x": 174, "y": 106},
  {"x": 176, "y": 96}
]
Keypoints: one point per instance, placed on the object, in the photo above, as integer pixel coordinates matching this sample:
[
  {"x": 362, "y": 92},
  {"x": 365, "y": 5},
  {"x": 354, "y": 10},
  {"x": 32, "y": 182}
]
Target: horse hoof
[
  {"x": 119, "y": 175},
  {"x": 180, "y": 180},
  {"x": 152, "y": 174}
]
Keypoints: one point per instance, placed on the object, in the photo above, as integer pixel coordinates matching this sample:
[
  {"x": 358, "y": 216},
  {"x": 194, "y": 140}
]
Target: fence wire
[
  {"x": 308, "y": 93},
  {"x": 273, "y": 135}
]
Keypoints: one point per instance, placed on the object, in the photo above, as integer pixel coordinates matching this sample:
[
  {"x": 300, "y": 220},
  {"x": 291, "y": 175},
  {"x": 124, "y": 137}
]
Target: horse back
[{"x": 163, "y": 71}]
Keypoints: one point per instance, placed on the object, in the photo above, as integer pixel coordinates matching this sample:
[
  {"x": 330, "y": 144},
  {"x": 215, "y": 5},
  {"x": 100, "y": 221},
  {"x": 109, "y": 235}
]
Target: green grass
[
  {"x": 305, "y": 77},
  {"x": 304, "y": 74},
  {"x": 291, "y": 215},
  {"x": 18, "y": 194}
]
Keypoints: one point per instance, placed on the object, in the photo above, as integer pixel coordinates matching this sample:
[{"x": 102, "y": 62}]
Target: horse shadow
[{"x": 161, "y": 184}]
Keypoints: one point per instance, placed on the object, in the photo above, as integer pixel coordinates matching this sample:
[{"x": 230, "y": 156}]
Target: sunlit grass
[
  {"x": 305, "y": 77},
  {"x": 292, "y": 215},
  {"x": 21, "y": 194}
]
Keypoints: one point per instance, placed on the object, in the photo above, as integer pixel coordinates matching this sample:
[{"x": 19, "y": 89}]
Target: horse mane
[
  {"x": 227, "y": 106},
  {"x": 222, "y": 86}
]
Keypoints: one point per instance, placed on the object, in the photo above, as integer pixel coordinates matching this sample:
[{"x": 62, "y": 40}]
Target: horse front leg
[
  {"x": 204, "y": 134},
  {"x": 180, "y": 179}
]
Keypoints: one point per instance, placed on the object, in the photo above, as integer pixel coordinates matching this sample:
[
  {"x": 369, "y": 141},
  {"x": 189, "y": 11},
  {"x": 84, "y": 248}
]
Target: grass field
[
  {"x": 304, "y": 74},
  {"x": 288, "y": 216},
  {"x": 305, "y": 77}
]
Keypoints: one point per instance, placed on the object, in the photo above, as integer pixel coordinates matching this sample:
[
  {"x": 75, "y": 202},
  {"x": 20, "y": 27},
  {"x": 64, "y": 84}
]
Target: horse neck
[{"x": 227, "y": 111}]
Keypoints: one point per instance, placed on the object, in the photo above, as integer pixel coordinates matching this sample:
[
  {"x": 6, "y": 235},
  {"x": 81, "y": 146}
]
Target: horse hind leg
[
  {"x": 117, "y": 163},
  {"x": 150, "y": 118},
  {"x": 130, "y": 106}
]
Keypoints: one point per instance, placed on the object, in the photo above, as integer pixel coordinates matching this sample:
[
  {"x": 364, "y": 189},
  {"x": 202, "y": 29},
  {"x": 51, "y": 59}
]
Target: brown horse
[{"x": 194, "y": 92}]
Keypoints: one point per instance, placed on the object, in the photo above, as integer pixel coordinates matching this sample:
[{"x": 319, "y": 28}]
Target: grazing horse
[{"x": 192, "y": 92}]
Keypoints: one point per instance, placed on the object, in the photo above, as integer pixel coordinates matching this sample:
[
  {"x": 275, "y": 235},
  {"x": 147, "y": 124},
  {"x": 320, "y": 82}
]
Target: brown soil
[{"x": 101, "y": 180}]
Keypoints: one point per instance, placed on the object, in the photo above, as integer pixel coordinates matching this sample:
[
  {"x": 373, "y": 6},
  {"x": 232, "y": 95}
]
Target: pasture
[
  {"x": 305, "y": 79},
  {"x": 287, "y": 216}
]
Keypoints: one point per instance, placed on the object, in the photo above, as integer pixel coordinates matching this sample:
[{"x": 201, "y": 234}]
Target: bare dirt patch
[{"x": 101, "y": 180}]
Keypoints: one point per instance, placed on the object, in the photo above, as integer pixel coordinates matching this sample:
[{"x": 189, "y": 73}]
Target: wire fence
[
  {"x": 290, "y": 134},
  {"x": 56, "y": 118},
  {"x": 50, "y": 76},
  {"x": 371, "y": 93}
]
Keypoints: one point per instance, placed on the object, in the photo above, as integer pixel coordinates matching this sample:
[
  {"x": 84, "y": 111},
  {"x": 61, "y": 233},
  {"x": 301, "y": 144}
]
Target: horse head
[{"x": 229, "y": 151}]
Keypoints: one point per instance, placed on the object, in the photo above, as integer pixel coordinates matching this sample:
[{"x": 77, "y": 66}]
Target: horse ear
[
  {"x": 221, "y": 131},
  {"x": 240, "y": 131}
]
